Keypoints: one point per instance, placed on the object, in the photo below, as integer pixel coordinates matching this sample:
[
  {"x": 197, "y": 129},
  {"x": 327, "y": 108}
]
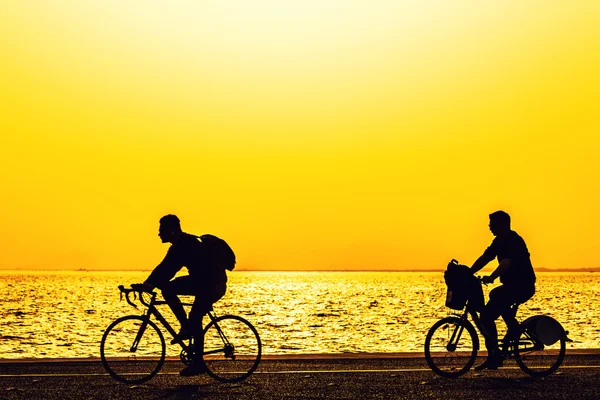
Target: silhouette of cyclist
[
  {"x": 518, "y": 284},
  {"x": 205, "y": 283}
]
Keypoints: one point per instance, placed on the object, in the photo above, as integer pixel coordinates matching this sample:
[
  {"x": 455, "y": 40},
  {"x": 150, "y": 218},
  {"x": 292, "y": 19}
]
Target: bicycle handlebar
[{"x": 135, "y": 288}]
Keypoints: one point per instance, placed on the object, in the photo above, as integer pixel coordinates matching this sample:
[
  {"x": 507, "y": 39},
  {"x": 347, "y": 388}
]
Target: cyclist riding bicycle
[
  {"x": 518, "y": 284},
  {"x": 207, "y": 284}
]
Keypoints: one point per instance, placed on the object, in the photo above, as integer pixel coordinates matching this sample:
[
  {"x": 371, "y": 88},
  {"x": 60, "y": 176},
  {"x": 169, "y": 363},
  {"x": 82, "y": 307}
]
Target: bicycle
[
  {"x": 538, "y": 348},
  {"x": 133, "y": 348}
]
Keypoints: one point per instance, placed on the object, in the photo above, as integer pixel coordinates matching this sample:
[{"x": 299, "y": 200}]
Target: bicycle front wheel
[
  {"x": 451, "y": 347},
  {"x": 232, "y": 348},
  {"x": 132, "y": 349},
  {"x": 538, "y": 359}
]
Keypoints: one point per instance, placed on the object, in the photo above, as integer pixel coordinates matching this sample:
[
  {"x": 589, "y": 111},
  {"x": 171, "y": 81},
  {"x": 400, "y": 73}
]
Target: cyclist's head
[
  {"x": 169, "y": 228},
  {"x": 499, "y": 222}
]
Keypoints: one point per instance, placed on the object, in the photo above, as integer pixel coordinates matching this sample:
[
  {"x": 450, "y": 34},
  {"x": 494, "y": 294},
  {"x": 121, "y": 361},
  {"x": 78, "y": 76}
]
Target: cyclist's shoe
[
  {"x": 490, "y": 363},
  {"x": 183, "y": 334},
  {"x": 193, "y": 369}
]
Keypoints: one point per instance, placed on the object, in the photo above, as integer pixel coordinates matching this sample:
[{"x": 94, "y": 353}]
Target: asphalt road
[{"x": 311, "y": 378}]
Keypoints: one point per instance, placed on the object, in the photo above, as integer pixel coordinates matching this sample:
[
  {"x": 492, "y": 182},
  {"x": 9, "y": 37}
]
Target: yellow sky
[{"x": 310, "y": 134}]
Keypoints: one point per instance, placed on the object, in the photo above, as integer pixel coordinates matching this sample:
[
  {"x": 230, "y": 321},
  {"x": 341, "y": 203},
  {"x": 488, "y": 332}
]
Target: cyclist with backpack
[
  {"x": 518, "y": 283},
  {"x": 207, "y": 260}
]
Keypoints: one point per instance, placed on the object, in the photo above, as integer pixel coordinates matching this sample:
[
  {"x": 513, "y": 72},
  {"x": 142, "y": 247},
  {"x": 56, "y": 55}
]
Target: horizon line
[{"x": 540, "y": 269}]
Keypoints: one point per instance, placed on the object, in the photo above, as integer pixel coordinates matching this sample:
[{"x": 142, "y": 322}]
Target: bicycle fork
[
  {"x": 139, "y": 335},
  {"x": 453, "y": 343}
]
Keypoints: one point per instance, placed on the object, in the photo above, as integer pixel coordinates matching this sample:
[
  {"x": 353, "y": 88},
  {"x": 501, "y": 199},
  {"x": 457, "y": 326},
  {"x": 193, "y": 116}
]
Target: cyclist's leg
[
  {"x": 170, "y": 290},
  {"x": 203, "y": 302},
  {"x": 200, "y": 307},
  {"x": 499, "y": 303},
  {"x": 519, "y": 295},
  {"x": 512, "y": 325}
]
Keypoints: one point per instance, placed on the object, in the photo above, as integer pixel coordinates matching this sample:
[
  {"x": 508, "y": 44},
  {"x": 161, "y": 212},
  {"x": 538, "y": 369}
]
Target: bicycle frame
[
  {"x": 225, "y": 339},
  {"x": 153, "y": 311},
  {"x": 505, "y": 348}
]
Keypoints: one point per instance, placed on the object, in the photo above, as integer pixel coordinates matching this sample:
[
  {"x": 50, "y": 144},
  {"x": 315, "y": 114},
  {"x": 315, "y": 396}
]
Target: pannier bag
[{"x": 462, "y": 287}]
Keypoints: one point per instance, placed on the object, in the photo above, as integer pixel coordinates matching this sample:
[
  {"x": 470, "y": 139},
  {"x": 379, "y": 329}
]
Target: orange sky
[{"x": 309, "y": 134}]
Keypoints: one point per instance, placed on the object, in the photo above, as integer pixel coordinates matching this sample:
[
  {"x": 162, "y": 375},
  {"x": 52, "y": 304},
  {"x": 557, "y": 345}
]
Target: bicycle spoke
[
  {"x": 538, "y": 359},
  {"x": 232, "y": 348},
  {"x": 132, "y": 349},
  {"x": 450, "y": 347}
]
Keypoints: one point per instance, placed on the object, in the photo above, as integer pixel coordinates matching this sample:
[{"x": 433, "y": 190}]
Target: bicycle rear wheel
[
  {"x": 232, "y": 348},
  {"x": 132, "y": 349},
  {"x": 451, "y": 347},
  {"x": 538, "y": 359}
]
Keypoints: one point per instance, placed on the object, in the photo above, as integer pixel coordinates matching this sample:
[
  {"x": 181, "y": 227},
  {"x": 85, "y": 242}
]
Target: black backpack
[{"x": 219, "y": 253}]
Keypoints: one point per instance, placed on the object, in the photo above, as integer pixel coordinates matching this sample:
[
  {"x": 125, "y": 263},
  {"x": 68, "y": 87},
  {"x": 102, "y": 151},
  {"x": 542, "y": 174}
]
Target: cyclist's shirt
[
  {"x": 188, "y": 252},
  {"x": 512, "y": 246}
]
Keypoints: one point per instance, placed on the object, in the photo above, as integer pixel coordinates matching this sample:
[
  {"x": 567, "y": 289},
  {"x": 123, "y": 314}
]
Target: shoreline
[{"x": 286, "y": 357}]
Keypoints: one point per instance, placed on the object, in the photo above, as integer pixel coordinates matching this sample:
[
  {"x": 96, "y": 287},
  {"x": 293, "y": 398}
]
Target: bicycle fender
[{"x": 545, "y": 328}]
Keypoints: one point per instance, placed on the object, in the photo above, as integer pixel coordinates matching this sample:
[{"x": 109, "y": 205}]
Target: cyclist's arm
[
  {"x": 482, "y": 261},
  {"x": 501, "y": 269},
  {"x": 164, "y": 271}
]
